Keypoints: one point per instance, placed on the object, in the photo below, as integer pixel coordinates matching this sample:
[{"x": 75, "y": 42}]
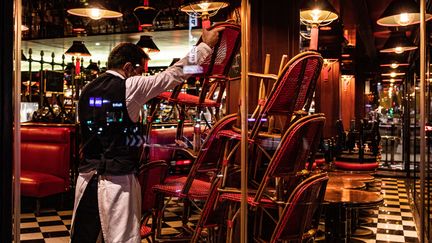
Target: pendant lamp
[
  {"x": 397, "y": 43},
  {"x": 145, "y": 14},
  {"x": 315, "y": 13},
  {"x": 203, "y": 9},
  {"x": 394, "y": 61},
  {"x": 401, "y": 13},
  {"x": 78, "y": 49},
  {"x": 392, "y": 74},
  {"x": 94, "y": 10},
  {"x": 147, "y": 44}
]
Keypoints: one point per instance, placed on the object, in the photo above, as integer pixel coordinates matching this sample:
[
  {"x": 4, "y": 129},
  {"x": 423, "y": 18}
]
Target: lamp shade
[
  {"x": 94, "y": 10},
  {"x": 93, "y": 67},
  {"x": 145, "y": 15},
  {"x": 317, "y": 12},
  {"x": 401, "y": 13},
  {"x": 146, "y": 42},
  {"x": 78, "y": 49},
  {"x": 398, "y": 43},
  {"x": 394, "y": 64},
  {"x": 203, "y": 7},
  {"x": 392, "y": 74}
]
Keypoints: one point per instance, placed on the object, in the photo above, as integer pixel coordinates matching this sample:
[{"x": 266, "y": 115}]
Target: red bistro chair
[
  {"x": 286, "y": 169},
  {"x": 150, "y": 174},
  {"x": 213, "y": 79},
  {"x": 292, "y": 92},
  {"x": 300, "y": 218},
  {"x": 196, "y": 185}
]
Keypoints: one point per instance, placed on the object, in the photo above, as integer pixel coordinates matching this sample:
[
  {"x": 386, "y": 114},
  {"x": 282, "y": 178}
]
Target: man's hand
[{"x": 211, "y": 37}]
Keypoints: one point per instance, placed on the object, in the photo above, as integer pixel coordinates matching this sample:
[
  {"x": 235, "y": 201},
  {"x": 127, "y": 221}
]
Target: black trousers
[{"x": 87, "y": 224}]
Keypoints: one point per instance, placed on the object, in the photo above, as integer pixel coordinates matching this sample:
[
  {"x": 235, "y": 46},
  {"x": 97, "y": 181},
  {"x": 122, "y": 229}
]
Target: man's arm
[{"x": 141, "y": 89}]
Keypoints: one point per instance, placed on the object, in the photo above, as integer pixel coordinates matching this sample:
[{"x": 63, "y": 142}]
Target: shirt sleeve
[{"x": 140, "y": 89}]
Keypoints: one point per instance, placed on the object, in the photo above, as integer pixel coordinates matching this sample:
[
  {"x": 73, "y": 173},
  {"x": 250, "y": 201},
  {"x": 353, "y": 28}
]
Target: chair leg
[{"x": 37, "y": 206}]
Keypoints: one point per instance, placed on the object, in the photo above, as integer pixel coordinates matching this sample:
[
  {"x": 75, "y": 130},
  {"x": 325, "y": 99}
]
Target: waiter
[{"x": 107, "y": 199}]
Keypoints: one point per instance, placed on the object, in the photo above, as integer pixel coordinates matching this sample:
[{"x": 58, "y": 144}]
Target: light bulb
[
  {"x": 315, "y": 14},
  {"x": 392, "y": 74},
  {"x": 204, "y": 6},
  {"x": 95, "y": 13},
  {"x": 394, "y": 65},
  {"x": 392, "y": 80},
  {"x": 398, "y": 50},
  {"x": 404, "y": 19}
]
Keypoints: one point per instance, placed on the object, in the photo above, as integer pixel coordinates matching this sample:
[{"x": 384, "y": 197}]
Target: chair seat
[
  {"x": 36, "y": 184},
  {"x": 356, "y": 166},
  {"x": 188, "y": 99},
  {"x": 231, "y": 135},
  {"x": 236, "y": 197},
  {"x": 198, "y": 190},
  {"x": 145, "y": 231},
  {"x": 320, "y": 161}
]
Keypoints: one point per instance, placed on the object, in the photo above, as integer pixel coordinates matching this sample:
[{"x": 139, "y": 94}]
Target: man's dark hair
[{"x": 125, "y": 52}]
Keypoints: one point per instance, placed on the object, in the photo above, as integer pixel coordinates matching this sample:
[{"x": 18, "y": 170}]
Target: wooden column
[
  {"x": 274, "y": 30},
  {"x": 6, "y": 119},
  {"x": 327, "y": 97}
]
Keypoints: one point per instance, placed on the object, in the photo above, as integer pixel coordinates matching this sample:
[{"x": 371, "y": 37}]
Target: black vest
[{"x": 110, "y": 141}]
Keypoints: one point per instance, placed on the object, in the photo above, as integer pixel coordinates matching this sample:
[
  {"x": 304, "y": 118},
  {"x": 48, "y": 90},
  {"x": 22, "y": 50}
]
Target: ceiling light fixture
[
  {"x": 315, "y": 13},
  {"x": 203, "y": 9},
  {"x": 147, "y": 44},
  {"x": 397, "y": 43},
  {"x": 393, "y": 74},
  {"x": 94, "y": 10},
  {"x": 78, "y": 49},
  {"x": 401, "y": 13},
  {"x": 145, "y": 14}
]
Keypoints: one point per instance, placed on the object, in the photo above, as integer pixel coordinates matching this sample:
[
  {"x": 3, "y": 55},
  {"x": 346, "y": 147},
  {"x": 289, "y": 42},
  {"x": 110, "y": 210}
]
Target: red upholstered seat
[
  {"x": 320, "y": 161},
  {"x": 37, "y": 184},
  {"x": 188, "y": 99},
  {"x": 356, "y": 166},
  {"x": 45, "y": 160}
]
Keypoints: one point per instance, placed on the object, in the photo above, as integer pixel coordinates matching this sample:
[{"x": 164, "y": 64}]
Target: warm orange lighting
[{"x": 94, "y": 13}]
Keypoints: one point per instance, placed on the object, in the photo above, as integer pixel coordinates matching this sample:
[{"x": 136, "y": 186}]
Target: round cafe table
[
  {"x": 365, "y": 177},
  {"x": 339, "y": 203},
  {"x": 340, "y": 182}
]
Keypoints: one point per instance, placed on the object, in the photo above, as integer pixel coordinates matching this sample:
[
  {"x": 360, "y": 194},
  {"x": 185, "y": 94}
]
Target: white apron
[{"x": 119, "y": 202}]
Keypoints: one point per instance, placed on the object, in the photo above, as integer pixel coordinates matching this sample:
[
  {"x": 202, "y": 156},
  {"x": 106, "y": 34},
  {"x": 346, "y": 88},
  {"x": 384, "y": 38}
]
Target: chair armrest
[{"x": 261, "y": 75}]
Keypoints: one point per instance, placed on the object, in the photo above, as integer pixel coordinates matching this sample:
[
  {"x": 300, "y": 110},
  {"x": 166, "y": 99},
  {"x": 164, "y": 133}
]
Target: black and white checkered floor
[{"x": 392, "y": 222}]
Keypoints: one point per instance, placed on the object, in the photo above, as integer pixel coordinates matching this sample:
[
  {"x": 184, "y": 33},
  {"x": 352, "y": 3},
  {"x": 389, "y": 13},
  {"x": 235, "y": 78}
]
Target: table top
[
  {"x": 352, "y": 198},
  {"x": 339, "y": 182},
  {"x": 364, "y": 177}
]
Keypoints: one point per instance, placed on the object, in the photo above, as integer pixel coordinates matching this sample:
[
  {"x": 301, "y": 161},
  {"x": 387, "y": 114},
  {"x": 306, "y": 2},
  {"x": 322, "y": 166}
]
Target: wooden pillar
[
  {"x": 6, "y": 119},
  {"x": 327, "y": 97}
]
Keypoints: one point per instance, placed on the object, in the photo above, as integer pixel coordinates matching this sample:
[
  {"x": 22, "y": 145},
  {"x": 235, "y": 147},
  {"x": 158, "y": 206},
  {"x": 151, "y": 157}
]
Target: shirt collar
[{"x": 115, "y": 74}]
